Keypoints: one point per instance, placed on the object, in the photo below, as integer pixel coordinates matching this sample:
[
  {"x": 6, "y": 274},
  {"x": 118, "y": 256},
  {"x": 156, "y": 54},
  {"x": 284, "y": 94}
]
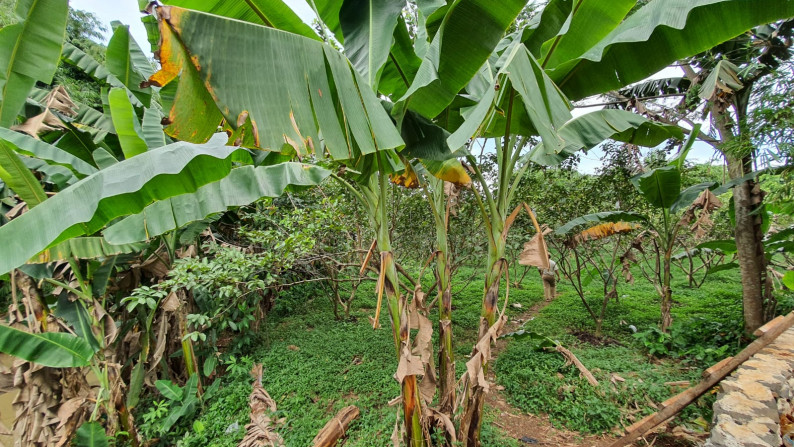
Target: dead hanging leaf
[
  {"x": 155, "y": 265},
  {"x": 423, "y": 348},
  {"x": 261, "y": 431},
  {"x": 171, "y": 303},
  {"x": 535, "y": 252},
  {"x": 706, "y": 203},
  {"x": 601, "y": 231},
  {"x": 410, "y": 365},
  {"x": 398, "y": 433},
  {"x": 626, "y": 259},
  {"x": 482, "y": 354},
  {"x": 57, "y": 99},
  {"x": 162, "y": 341},
  {"x": 453, "y": 195}
]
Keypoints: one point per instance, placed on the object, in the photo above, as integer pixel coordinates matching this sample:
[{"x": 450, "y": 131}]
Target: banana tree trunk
[
  {"x": 471, "y": 422},
  {"x": 412, "y": 406},
  {"x": 440, "y": 205},
  {"x": 446, "y": 354},
  {"x": 667, "y": 291}
]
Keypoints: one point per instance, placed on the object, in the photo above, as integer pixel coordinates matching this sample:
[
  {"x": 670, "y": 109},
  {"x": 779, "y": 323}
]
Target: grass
[
  {"x": 315, "y": 365},
  {"x": 541, "y": 382}
]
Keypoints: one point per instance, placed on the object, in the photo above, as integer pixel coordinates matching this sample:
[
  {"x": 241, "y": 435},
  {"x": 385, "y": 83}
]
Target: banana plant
[
  {"x": 508, "y": 87},
  {"x": 674, "y": 208}
]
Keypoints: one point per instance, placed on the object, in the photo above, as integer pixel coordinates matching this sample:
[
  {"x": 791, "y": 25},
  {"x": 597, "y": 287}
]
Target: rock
[
  {"x": 233, "y": 427},
  {"x": 517, "y": 306},
  {"x": 767, "y": 430},
  {"x": 727, "y": 433},
  {"x": 740, "y": 408}
]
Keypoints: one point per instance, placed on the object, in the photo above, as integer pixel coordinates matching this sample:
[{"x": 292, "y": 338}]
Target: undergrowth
[{"x": 315, "y": 365}]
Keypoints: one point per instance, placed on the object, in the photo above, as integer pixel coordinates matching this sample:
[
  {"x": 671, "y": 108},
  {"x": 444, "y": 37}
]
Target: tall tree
[{"x": 722, "y": 83}]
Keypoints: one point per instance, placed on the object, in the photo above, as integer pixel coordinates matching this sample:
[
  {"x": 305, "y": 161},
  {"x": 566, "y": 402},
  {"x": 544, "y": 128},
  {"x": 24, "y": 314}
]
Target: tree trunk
[
  {"x": 747, "y": 197},
  {"x": 749, "y": 245}
]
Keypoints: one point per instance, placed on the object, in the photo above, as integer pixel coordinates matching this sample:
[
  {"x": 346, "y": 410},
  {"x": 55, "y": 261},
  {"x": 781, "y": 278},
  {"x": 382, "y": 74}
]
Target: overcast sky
[{"x": 126, "y": 11}]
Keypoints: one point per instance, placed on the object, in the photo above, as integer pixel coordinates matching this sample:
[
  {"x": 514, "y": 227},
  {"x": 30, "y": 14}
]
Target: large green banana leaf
[
  {"x": 84, "y": 248},
  {"x": 660, "y": 187},
  {"x": 368, "y": 27},
  {"x": 597, "y": 218},
  {"x": 91, "y": 67},
  {"x": 18, "y": 177},
  {"x": 53, "y": 349},
  {"x": 280, "y": 90},
  {"x": 27, "y": 145},
  {"x": 590, "y": 130},
  {"x": 466, "y": 39},
  {"x": 598, "y": 17},
  {"x": 128, "y": 128},
  {"x": 546, "y": 25},
  {"x": 401, "y": 66},
  {"x": 658, "y": 34},
  {"x": 522, "y": 93},
  {"x": 241, "y": 187},
  {"x": 119, "y": 190},
  {"x": 126, "y": 61},
  {"x": 29, "y": 52},
  {"x": 272, "y": 13},
  {"x": 91, "y": 434}
]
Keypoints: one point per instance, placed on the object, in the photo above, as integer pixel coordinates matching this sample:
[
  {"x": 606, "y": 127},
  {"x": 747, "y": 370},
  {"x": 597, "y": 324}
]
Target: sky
[{"x": 126, "y": 11}]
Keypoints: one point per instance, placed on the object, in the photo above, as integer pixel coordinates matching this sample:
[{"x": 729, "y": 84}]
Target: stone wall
[{"x": 753, "y": 399}]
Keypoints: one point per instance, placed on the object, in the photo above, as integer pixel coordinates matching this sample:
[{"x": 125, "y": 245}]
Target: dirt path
[{"x": 528, "y": 428}]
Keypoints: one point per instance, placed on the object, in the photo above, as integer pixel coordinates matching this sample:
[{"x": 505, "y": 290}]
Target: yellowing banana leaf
[{"x": 290, "y": 92}]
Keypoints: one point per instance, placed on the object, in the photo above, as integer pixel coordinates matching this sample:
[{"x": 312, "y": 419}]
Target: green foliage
[
  {"x": 91, "y": 434},
  {"x": 54, "y": 349},
  {"x": 698, "y": 340}
]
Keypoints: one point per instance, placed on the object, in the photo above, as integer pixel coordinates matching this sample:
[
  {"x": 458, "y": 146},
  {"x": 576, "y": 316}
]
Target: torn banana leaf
[{"x": 287, "y": 92}]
